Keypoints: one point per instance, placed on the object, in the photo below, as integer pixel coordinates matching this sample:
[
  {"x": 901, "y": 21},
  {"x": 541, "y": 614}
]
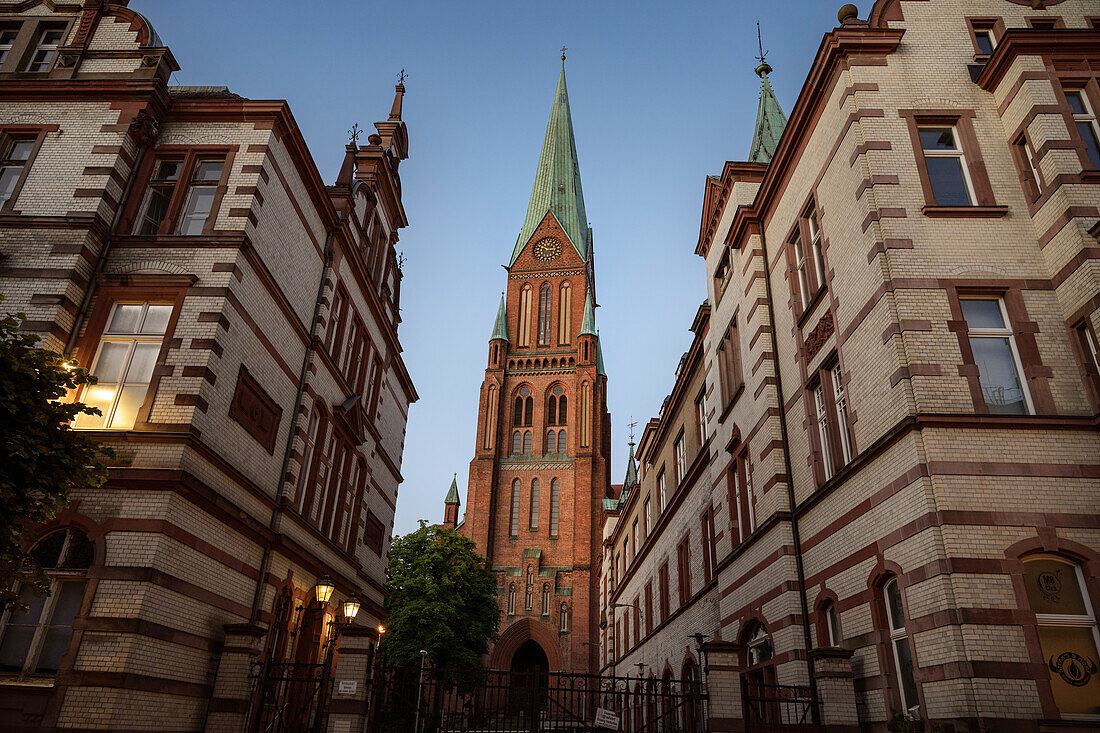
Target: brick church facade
[
  {"x": 241, "y": 316},
  {"x": 540, "y": 470}
]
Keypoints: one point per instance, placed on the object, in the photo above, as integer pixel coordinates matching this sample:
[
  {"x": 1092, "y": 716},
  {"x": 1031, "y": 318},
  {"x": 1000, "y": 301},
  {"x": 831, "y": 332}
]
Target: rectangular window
[
  {"x": 200, "y": 196},
  {"x": 1090, "y": 353},
  {"x": 374, "y": 533},
  {"x": 1025, "y": 162},
  {"x": 649, "y": 607},
  {"x": 803, "y": 273},
  {"x": 985, "y": 41},
  {"x": 662, "y": 589},
  {"x": 706, "y": 526},
  {"x": 722, "y": 275},
  {"x": 807, "y": 255},
  {"x": 701, "y": 415},
  {"x": 822, "y": 416},
  {"x": 683, "y": 570},
  {"x": 994, "y": 348},
  {"x": 637, "y": 619},
  {"x": 983, "y": 34},
  {"x": 513, "y": 520},
  {"x": 741, "y": 500},
  {"x": 830, "y": 408},
  {"x": 1084, "y": 119},
  {"x": 634, "y": 540},
  {"x": 13, "y": 165},
  {"x": 123, "y": 364},
  {"x": 645, "y": 518},
  {"x": 162, "y": 185},
  {"x": 840, "y": 401},
  {"x": 681, "y": 458},
  {"x": 662, "y": 497},
  {"x": 899, "y": 642},
  {"x": 45, "y": 50},
  {"x": 816, "y": 247},
  {"x": 946, "y": 166},
  {"x": 729, "y": 364},
  {"x": 7, "y": 40}
]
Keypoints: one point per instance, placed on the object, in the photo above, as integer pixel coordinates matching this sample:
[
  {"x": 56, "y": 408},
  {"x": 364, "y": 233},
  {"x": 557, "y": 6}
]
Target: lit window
[
  {"x": 534, "y": 521},
  {"x": 999, "y": 369},
  {"x": 12, "y": 165},
  {"x": 899, "y": 642},
  {"x": 200, "y": 197},
  {"x": 35, "y": 640},
  {"x": 46, "y": 49},
  {"x": 124, "y": 364},
  {"x": 7, "y": 40},
  {"x": 1067, "y": 633},
  {"x": 1084, "y": 118},
  {"x": 946, "y": 166},
  {"x": 166, "y": 174}
]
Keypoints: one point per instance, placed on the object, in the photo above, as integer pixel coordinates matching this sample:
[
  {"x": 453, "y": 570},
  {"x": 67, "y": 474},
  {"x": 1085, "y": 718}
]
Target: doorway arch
[{"x": 515, "y": 635}]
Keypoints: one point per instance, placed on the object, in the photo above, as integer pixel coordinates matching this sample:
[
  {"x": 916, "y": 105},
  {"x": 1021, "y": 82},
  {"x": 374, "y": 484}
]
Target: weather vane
[
  {"x": 563, "y": 50},
  {"x": 633, "y": 423},
  {"x": 760, "y": 44},
  {"x": 355, "y": 132},
  {"x": 401, "y": 77}
]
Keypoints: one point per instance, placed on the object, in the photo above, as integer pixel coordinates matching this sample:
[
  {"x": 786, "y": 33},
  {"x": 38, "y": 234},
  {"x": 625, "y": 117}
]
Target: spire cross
[
  {"x": 563, "y": 50},
  {"x": 355, "y": 132},
  {"x": 402, "y": 76},
  {"x": 760, "y": 44}
]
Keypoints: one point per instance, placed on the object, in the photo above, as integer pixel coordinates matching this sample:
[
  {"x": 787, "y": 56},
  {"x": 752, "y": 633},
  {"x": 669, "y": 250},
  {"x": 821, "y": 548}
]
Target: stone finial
[{"x": 847, "y": 13}]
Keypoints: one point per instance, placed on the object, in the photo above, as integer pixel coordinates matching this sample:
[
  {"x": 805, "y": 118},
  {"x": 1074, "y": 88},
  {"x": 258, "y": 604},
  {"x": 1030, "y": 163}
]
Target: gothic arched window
[
  {"x": 513, "y": 525},
  {"x": 544, "y": 315},
  {"x": 565, "y": 302},
  {"x": 563, "y": 618},
  {"x": 511, "y": 599},
  {"x": 527, "y": 442},
  {"x": 583, "y": 416},
  {"x": 490, "y": 417},
  {"x": 554, "y": 499},
  {"x": 523, "y": 408},
  {"x": 551, "y": 441},
  {"x": 545, "y": 599},
  {"x": 524, "y": 338},
  {"x": 534, "y": 521},
  {"x": 561, "y": 441},
  {"x": 33, "y": 641},
  {"x": 555, "y": 406},
  {"x": 517, "y": 443}
]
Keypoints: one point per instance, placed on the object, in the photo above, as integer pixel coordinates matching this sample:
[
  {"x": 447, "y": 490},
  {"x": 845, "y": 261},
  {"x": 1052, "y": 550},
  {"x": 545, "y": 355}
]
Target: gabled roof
[
  {"x": 452, "y": 493},
  {"x": 500, "y": 328},
  {"x": 588, "y": 323},
  {"x": 770, "y": 120},
  {"x": 557, "y": 186}
]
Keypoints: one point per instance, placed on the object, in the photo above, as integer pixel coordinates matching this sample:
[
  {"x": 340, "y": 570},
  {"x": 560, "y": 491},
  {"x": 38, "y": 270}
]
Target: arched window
[
  {"x": 34, "y": 641},
  {"x": 562, "y": 411},
  {"x": 524, "y": 338},
  {"x": 528, "y": 408},
  {"x": 561, "y": 441},
  {"x": 511, "y": 599},
  {"x": 545, "y": 599},
  {"x": 551, "y": 441},
  {"x": 563, "y": 614},
  {"x": 544, "y": 315},
  {"x": 552, "y": 410},
  {"x": 527, "y": 598},
  {"x": 829, "y": 629},
  {"x": 899, "y": 644},
  {"x": 517, "y": 443},
  {"x": 490, "y": 417},
  {"x": 527, "y": 442},
  {"x": 583, "y": 416},
  {"x": 554, "y": 492},
  {"x": 1067, "y": 631},
  {"x": 517, "y": 413},
  {"x": 513, "y": 525},
  {"x": 565, "y": 306},
  {"x": 759, "y": 672},
  {"x": 534, "y": 521},
  {"x": 523, "y": 408},
  {"x": 555, "y": 406}
]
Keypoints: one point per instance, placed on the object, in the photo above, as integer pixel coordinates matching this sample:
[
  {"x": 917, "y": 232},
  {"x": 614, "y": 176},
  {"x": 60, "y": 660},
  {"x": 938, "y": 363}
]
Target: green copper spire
[
  {"x": 452, "y": 494},
  {"x": 500, "y": 328},
  {"x": 558, "y": 179},
  {"x": 770, "y": 120},
  {"x": 588, "y": 324},
  {"x": 631, "y": 479},
  {"x": 599, "y": 357}
]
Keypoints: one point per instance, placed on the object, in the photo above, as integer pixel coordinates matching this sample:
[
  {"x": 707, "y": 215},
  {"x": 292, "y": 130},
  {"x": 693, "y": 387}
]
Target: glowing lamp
[
  {"x": 381, "y": 629},
  {"x": 323, "y": 590},
  {"x": 351, "y": 607}
]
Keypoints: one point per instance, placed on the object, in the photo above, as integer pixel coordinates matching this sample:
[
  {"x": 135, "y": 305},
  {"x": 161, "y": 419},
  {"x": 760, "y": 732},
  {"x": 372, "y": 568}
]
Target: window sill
[
  {"x": 810, "y": 306},
  {"x": 965, "y": 212},
  {"x": 729, "y": 405}
]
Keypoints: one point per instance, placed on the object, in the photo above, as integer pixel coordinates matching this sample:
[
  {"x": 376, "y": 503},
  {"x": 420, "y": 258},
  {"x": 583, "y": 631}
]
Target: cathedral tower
[{"x": 540, "y": 469}]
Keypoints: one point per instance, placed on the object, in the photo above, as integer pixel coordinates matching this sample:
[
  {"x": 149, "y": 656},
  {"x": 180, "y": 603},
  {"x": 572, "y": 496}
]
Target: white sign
[
  {"x": 348, "y": 687},
  {"x": 606, "y": 719}
]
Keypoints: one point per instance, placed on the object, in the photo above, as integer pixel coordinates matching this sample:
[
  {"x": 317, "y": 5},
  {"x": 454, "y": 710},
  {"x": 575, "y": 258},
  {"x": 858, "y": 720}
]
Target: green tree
[
  {"x": 441, "y": 598},
  {"x": 42, "y": 458}
]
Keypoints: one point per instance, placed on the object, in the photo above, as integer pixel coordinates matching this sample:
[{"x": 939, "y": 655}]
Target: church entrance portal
[{"x": 530, "y": 671}]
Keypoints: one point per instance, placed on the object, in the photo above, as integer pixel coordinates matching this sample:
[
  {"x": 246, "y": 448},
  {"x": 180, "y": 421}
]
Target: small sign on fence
[
  {"x": 606, "y": 719},
  {"x": 348, "y": 687}
]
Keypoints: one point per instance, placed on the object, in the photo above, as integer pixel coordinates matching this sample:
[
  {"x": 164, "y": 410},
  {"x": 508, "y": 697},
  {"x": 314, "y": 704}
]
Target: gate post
[
  {"x": 233, "y": 690},
  {"x": 836, "y": 687},
  {"x": 348, "y": 708},
  {"x": 724, "y": 709}
]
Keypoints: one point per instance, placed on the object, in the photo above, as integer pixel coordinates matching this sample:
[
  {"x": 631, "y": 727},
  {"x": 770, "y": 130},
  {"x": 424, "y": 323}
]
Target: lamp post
[
  {"x": 704, "y": 697},
  {"x": 419, "y": 689}
]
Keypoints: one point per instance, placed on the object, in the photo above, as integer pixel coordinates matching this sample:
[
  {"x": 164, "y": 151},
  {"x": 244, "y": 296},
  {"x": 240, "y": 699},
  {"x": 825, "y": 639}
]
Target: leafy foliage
[
  {"x": 43, "y": 458},
  {"x": 441, "y": 598}
]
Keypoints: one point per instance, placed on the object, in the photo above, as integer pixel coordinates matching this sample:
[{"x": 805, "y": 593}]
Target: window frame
[
  {"x": 894, "y": 635},
  {"x": 190, "y": 156},
  {"x": 39, "y": 44},
  {"x": 993, "y": 26},
  {"x": 679, "y": 448},
  {"x": 956, "y": 153},
  {"x": 1086, "y": 347},
  {"x": 983, "y": 202},
  {"x": 832, "y": 441},
  {"x": 1006, "y": 332},
  {"x": 1090, "y": 99},
  {"x": 731, "y": 378},
  {"x": 9, "y": 134}
]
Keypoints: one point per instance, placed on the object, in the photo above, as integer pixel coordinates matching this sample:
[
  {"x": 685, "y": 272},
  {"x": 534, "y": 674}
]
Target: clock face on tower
[{"x": 547, "y": 249}]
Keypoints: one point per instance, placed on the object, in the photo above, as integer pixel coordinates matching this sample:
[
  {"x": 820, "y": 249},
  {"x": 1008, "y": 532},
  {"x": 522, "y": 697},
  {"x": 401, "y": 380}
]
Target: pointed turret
[
  {"x": 770, "y": 120},
  {"x": 500, "y": 328},
  {"x": 631, "y": 479},
  {"x": 451, "y": 505},
  {"x": 599, "y": 356},
  {"x": 588, "y": 323},
  {"x": 557, "y": 186}
]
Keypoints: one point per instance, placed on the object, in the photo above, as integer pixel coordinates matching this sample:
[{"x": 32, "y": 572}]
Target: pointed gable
[{"x": 557, "y": 187}]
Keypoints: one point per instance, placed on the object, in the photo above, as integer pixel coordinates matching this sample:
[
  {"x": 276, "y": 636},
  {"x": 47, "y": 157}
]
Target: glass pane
[
  {"x": 1076, "y": 103},
  {"x": 894, "y": 607},
  {"x": 937, "y": 138},
  {"x": 948, "y": 183},
  {"x": 1052, "y": 587},
  {"x": 7, "y": 37},
  {"x": 985, "y": 42},
  {"x": 125, "y": 318},
  {"x": 558, "y": 389},
  {"x": 156, "y": 319},
  {"x": 21, "y": 150},
  {"x": 1092, "y": 146},
  {"x": 20, "y": 631},
  {"x": 168, "y": 170},
  {"x": 9, "y": 176},
  {"x": 197, "y": 209},
  {"x": 80, "y": 552},
  {"x": 156, "y": 206},
  {"x": 208, "y": 170},
  {"x": 982, "y": 313},
  {"x": 66, "y": 606},
  {"x": 47, "y": 551},
  {"x": 128, "y": 405},
  {"x": 905, "y": 672},
  {"x": 142, "y": 363},
  {"x": 51, "y": 38},
  {"x": 1070, "y": 655},
  {"x": 997, "y": 375},
  {"x": 112, "y": 357},
  {"x": 97, "y": 395}
]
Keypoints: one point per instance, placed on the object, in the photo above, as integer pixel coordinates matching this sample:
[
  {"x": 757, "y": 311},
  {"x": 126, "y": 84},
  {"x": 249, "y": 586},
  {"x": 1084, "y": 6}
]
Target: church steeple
[
  {"x": 588, "y": 322},
  {"x": 770, "y": 120},
  {"x": 557, "y": 186},
  {"x": 500, "y": 328},
  {"x": 451, "y": 505}
]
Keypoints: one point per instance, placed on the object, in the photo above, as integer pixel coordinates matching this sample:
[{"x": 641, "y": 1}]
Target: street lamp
[
  {"x": 323, "y": 590},
  {"x": 381, "y": 630},
  {"x": 351, "y": 607}
]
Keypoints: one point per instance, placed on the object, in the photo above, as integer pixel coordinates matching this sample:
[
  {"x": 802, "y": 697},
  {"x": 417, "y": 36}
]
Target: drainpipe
[
  {"x": 101, "y": 260},
  {"x": 790, "y": 482},
  {"x": 277, "y": 510}
]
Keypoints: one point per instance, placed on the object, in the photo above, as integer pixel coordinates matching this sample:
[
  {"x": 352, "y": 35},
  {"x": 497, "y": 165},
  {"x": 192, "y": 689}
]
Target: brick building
[
  {"x": 241, "y": 317},
  {"x": 891, "y": 498},
  {"x": 540, "y": 472}
]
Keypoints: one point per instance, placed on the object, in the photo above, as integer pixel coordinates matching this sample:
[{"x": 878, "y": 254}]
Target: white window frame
[
  {"x": 1089, "y": 115},
  {"x": 681, "y": 458},
  {"x": 1001, "y": 333},
  {"x": 50, "y": 49},
  {"x": 832, "y": 624},
  {"x": 898, "y": 634},
  {"x": 18, "y": 166},
  {"x": 701, "y": 415},
  {"x": 816, "y": 246},
  {"x": 840, "y": 399},
  {"x": 957, "y": 152},
  {"x": 803, "y": 275},
  {"x": 822, "y": 415},
  {"x": 988, "y": 33},
  {"x": 661, "y": 488}
]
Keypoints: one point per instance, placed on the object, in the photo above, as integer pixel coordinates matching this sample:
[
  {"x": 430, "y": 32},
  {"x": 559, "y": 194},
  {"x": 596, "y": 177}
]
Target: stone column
[
  {"x": 350, "y": 687},
  {"x": 835, "y": 688},
  {"x": 232, "y": 696},
  {"x": 725, "y": 711}
]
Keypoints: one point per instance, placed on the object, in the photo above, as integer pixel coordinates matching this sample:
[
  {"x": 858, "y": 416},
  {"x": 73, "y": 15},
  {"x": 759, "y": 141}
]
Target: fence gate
[
  {"x": 778, "y": 708},
  {"x": 406, "y": 700},
  {"x": 293, "y": 698}
]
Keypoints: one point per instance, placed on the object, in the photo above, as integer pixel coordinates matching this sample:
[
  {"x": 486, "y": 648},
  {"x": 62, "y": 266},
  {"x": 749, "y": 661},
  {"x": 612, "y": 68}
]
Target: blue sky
[{"x": 661, "y": 94}]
